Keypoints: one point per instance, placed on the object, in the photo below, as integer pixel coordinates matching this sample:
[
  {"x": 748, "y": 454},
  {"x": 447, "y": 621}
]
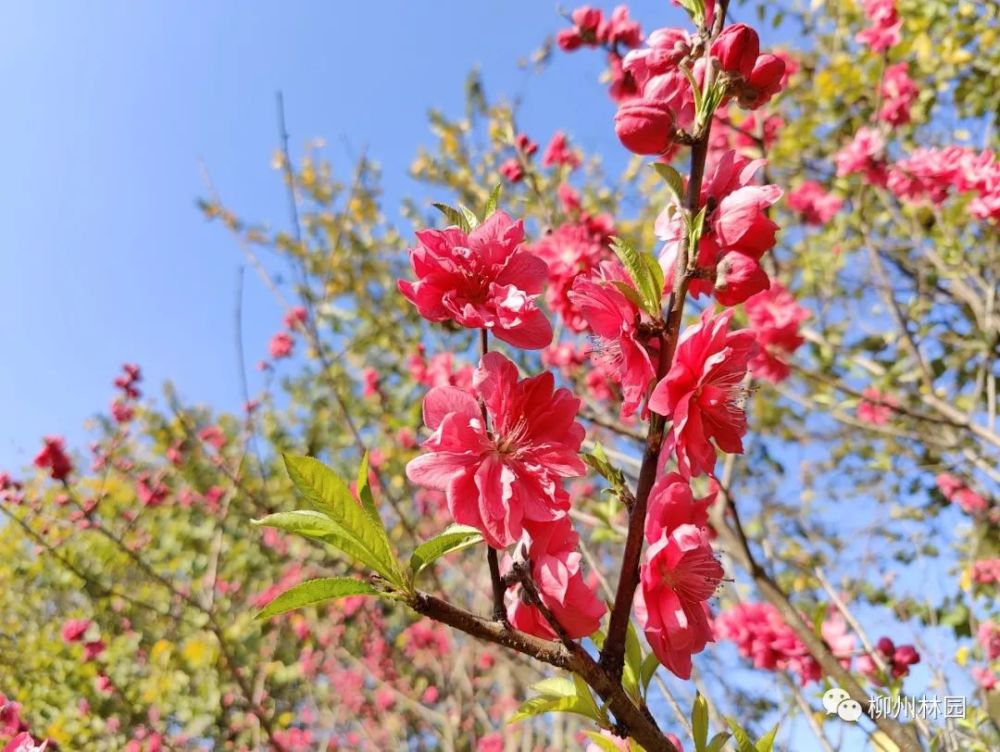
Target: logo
[{"x": 837, "y": 702}]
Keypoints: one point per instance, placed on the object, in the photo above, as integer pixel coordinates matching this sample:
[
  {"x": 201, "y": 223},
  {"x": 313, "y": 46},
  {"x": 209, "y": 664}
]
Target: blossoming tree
[{"x": 577, "y": 454}]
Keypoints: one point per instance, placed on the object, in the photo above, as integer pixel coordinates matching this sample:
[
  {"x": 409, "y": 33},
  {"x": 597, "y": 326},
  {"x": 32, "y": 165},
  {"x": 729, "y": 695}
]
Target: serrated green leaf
[
  {"x": 454, "y": 216},
  {"x": 699, "y": 722},
  {"x": 332, "y": 496},
  {"x": 656, "y": 277},
  {"x": 640, "y": 274},
  {"x": 311, "y": 592},
  {"x": 633, "y": 661},
  {"x": 316, "y": 525},
  {"x": 557, "y": 694},
  {"x": 631, "y": 293},
  {"x": 454, "y": 538},
  {"x": 492, "y": 201},
  {"x": 673, "y": 179},
  {"x": 717, "y": 742},
  {"x": 766, "y": 742}
]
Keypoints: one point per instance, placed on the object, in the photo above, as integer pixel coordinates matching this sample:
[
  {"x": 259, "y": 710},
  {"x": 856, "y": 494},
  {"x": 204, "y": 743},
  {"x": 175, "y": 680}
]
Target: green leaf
[
  {"x": 766, "y": 742},
  {"x": 631, "y": 293},
  {"x": 633, "y": 661},
  {"x": 602, "y": 742},
  {"x": 332, "y": 496},
  {"x": 696, "y": 9},
  {"x": 648, "y": 670},
  {"x": 454, "y": 538},
  {"x": 470, "y": 217},
  {"x": 454, "y": 216},
  {"x": 557, "y": 694},
  {"x": 743, "y": 743},
  {"x": 312, "y": 524},
  {"x": 640, "y": 272},
  {"x": 311, "y": 592},
  {"x": 365, "y": 492},
  {"x": 492, "y": 201},
  {"x": 673, "y": 179},
  {"x": 655, "y": 272},
  {"x": 699, "y": 722},
  {"x": 718, "y": 742},
  {"x": 599, "y": 462}
]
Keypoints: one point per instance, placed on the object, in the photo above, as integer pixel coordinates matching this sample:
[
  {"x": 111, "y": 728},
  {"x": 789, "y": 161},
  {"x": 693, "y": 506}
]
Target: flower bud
[
  {"x": 763, "y": 83},
  {"x": 738, "y": 277},
  {"x": 569, "y": 40},
  {"x": 736, "y": 48},
  {"x": 643, "y": 126}
]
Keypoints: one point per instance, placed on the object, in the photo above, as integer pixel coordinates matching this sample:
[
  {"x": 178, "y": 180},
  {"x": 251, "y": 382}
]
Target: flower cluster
[
  {"x": 885, "y": 26},
  {"x": 662, "y": 74},
  {"x": 53, "y": 458},
  {"x": 775, "y": 318},
  {"x": 614, "y": 34},
  {"x": 763, "y": 636},
  {"x": 282, "y": 343},
  {"x": 737, "y": 232},
  {"x": 813, "y": 203},
  {"x": 957, "y": 492},
  {"x": 896, "y": 659},
  {"x": 123, "y": 406},
  {"x": 930, "y": 174}
]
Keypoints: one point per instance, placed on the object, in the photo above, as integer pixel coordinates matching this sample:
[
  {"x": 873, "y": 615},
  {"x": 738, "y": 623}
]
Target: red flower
[
  {"x": 775, "y": 318},
  {"x": 512, "y": 170},
  {"x": 503, "y": 478},
  {"x": 557, "y": 153},
  {"x": 53, "y": 457},
  {"x": 679, "y": 574},
  {"x": 615, "y": 320},
  {"x": 671, "y": 504},
  {"x": 569, "y": 251},
  {"x": 74, "y": 629},
  {"x": 876, "y": 408},
  {"x": 558, "y": 576},
  {"x": 898, "y": 95},
  {"x": 644, "y": 126},
  {"x": 281, "y": 345},
  {"x": 764, "y": 81},
  {"x": 865, "y": 154},
  {"x": 702, "y": 394},
  {"x": 816, "y": 206},
  {"x": 481, "y": 280}
]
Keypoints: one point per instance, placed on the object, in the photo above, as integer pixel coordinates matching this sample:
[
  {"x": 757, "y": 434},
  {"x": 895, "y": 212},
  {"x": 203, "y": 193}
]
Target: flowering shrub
[{"x": 571, "y": 455}]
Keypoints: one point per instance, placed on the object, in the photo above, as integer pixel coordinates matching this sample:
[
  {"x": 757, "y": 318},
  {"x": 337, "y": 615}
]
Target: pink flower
[
  {"x": 23, "y": 742},
  {"x": 886, "y": 24},
  {"x": 898, "y": 95},
  {"x": 864, "y": 155},
  {"x": 619, "y": 29},
  {"x": 988, "y": 635},
  {"x": 615, "y": 321},
  {"x": 672, "y": 504},
  {"x": 490, "y": 743},
  {"x": 430, "y": 696},
  {"x": 816, "y": 206},
  {"x": 281, "y": 345},
  {"x": 295, "y": 317},
  {"x": 481, "y": 280},
  {"x": 558, "y": 153},
  {"x": 557, "y": 572},
  {"x": 370, "y": 378},
  {"x": 501, "y": 478},
  {"x": 775, "y": 318},
  {"x": 570, "y": 250},
  {"x": 897, "y": 661},
  {"x": 54, "y": 458},
  {"x": 985, "y": 678},
  {"x": 93, "y": 649},
  {"x": 765, "y": 80},
  {"x": 74, "y": 629},
  {"x": 876, "y": 408},
  {"x": 512, "y": 170},
  {"x": 702, "y": 393},
  {"x": 679, "y": 574},
  {"x": 738, "y": 232},
  {"x": 985, "y": 571},
  {"x": 131, "y": 376},
  {"x": 525, "y": 145},
  {"x": 762, "y": 635}
]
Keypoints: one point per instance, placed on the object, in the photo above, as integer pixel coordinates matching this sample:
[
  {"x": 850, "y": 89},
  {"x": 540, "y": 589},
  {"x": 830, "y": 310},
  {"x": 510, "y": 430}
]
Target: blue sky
[{"x": 108, "y": 114}]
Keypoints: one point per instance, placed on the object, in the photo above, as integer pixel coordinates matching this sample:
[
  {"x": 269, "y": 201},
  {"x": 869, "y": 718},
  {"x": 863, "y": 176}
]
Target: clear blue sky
[{"x": 107, "y": 113}]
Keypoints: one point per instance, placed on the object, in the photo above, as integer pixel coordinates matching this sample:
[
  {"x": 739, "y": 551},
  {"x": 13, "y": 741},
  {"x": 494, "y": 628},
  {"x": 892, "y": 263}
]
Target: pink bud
[
  {"x": 569, "y": 40},
  {"x": 764, "y": 82},
  {"x": 737, "y": 48},
  {"x": 885, "y": 646},
  {"x": 738, "y": 277},
  {"x": 643, "y": 126}
]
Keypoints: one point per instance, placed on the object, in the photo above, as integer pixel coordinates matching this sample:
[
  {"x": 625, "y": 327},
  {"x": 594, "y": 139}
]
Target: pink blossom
[
  {"x": 74, "y": 629},
  {"x": 616, "y": 323},
  {"x": 525, "y": 145},
  {"x": 897, "y": 661},
  {"x": 93, "y": 649},
  {"x": 985, "y": 678},
  {"x": 619, "y": 29},
  {"x": 736, "y": 49},
  {"x": 864, "y": 155},
  {"x": 483, "y": 279},
  {"x": 988, "y": 635},
  {"x": 512, "y": 170},
  {"x": 985, "y": 571},
  {"x": 500, "y": 478},
  {"x": 672, "y": 504},
  {"x": 557, "y": 571},
  {"x": 702, "y": 393},
  {"x": 295, "y": 317},
  {"x": 150, "y": 491},
  {"x": 765, "y": 80},
  {"x": 53, "y": 457},
  {"x": 281, "y": 345},
  {"x": 430, "y": 696},
  {"x": 558, "y": 153},
  {"x": 24, "y": 742},
  {"x": 679, "y": 573},
  {"x": 490, "y": 743},
  {"x": 884, "y": 31},
  {"x": 898, "y": 95},
  {"x": 131, "y": 375},
  {"x": 816, "y": 206},
  {"x": 370, "y": 378},
  {"x": 570, "y": 250},
  {"x": 775, "y": 318},
  {"x": 876, "y": 408}
]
